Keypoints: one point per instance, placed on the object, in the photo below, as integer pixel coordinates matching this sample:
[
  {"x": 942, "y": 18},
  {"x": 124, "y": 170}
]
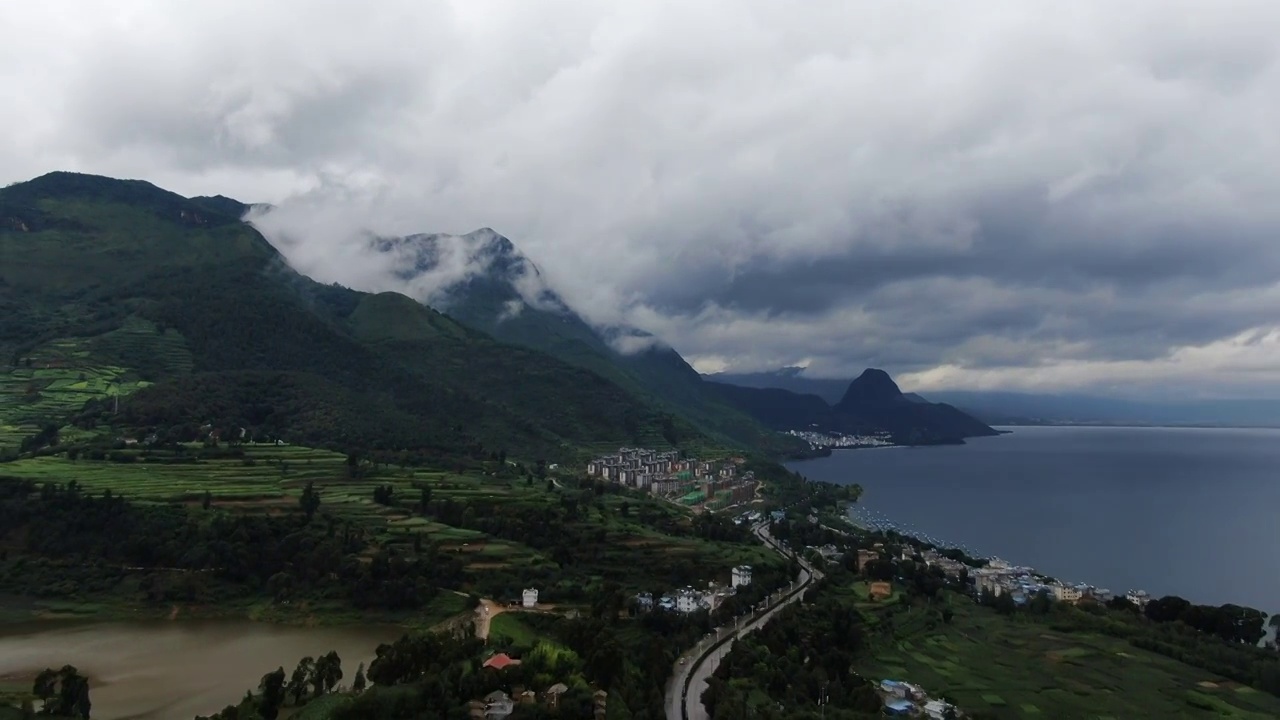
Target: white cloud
[
  {"x": 1232, "y": 366},
  {"x": 1096, "y": 165}
]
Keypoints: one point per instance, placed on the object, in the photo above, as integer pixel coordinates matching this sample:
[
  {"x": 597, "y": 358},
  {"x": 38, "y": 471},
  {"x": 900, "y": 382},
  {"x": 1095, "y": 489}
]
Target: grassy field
[
  {"x": 1015, "y": 668},
  {"x": 508, "y": 625}
]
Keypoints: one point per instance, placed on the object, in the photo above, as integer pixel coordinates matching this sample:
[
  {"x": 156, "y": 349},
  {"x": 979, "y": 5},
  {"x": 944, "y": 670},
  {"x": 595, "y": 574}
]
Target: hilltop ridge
[{"x": 871, "y": 403}]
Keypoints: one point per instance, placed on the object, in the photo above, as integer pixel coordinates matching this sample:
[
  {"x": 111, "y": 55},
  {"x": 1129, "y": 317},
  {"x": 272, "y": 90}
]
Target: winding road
[{"x": 689, "y": 676}]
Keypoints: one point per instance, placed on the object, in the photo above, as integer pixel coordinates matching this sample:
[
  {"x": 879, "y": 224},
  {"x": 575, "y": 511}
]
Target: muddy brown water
[{"x": 175, "y": 670}]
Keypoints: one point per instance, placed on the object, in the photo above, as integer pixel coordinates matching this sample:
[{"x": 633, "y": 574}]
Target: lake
[
  {"x": 1189, "y": 512},
  {"x": 167, "y": 670}
]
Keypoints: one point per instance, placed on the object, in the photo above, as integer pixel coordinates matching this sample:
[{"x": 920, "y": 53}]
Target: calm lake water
[
  {"x": 1190, "y": 512},
  {"x": 176, "y": 670}
]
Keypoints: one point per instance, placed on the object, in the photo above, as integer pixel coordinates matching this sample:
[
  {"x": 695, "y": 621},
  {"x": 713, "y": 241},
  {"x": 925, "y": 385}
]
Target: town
[
  {"x": 1022, "y": 584},
  {"x": 701, "y": 485},
  {"x": 840, "y": 440}
]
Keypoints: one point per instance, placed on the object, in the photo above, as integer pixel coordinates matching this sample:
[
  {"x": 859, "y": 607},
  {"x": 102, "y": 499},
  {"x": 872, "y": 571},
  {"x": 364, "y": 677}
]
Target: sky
[{"x": 1012, "y": 195}]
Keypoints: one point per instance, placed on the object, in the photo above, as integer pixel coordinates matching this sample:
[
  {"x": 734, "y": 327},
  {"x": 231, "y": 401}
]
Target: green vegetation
[
  {"x": 1002, "y": 667},
  {"x": 106, "y": 286},
  {"x": 492, "y": 530},
  {"x": 507, "y": 629},
  {"x": 995, "y": 659}
]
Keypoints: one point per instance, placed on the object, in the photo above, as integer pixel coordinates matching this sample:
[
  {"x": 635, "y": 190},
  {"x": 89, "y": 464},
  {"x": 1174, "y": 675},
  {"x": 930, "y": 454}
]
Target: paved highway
[{"x": 695, "y": 666}]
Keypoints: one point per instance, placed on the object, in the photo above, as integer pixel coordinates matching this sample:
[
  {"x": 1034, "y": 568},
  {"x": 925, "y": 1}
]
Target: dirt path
[{"x": 484, "y": 613}]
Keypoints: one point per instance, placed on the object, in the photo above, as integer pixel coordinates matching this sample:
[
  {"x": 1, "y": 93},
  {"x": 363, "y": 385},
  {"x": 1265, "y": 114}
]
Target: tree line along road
[{"x": 690, "y": 674}]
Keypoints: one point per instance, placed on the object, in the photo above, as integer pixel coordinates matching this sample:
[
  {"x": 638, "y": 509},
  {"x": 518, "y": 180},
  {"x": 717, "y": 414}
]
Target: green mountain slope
[
  {"x": 191, "y": 317},
  {"x": 510, "y": 300}
]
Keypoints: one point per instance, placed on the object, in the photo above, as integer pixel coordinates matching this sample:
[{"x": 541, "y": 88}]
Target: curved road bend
[{"x": 693, "y": 668}]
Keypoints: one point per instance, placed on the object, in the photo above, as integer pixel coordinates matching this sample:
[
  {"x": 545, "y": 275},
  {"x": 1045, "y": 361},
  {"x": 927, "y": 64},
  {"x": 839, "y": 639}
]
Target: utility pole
[{"x": 823, "y": 697}]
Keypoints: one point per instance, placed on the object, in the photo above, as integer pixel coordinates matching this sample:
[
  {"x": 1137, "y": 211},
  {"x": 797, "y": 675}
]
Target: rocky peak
[{"x": 873, "y": 388}]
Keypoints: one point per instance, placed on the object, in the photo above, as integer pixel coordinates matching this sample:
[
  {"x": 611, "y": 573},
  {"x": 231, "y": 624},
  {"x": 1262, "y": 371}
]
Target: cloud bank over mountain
[{"x": 1013, "y": 195}]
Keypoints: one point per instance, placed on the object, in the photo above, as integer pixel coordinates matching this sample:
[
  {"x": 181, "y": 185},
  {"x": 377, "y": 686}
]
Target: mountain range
[
  {"x": 185, "y": 316},
  {"x": 1021, "y": 408},
  {"x": 871, "y": 403},
  {"x": 507, "y": 297}
]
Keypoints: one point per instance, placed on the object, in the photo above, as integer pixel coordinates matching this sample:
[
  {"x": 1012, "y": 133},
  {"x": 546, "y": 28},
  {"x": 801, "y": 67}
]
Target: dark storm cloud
[{"x": 1016, "y": 194}]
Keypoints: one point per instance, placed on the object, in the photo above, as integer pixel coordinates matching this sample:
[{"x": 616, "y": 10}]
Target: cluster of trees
[
  {"x": 64, "y": 693},
  {"x": 419, "y": 676},
  {"x": 803, "y": 660},
  {"x": 174, "y": 553},
  {"x": 311, "y": 679},
  {"x": 47, "y": 436},
  {"x": 1232, "y": 623},
  {"x": 790, "y": 488}
]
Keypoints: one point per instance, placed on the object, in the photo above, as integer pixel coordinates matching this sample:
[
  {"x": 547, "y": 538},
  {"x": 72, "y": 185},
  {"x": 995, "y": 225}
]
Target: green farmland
[
  {"x": 1014, "y": 668},
  {"x": 55, "y": 380},
  {"x": 632, "y": 547}
]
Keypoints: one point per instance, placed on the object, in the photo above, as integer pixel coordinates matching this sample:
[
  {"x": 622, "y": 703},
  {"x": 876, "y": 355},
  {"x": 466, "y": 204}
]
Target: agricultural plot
[
  {"x": 264, "y": 474},
  {"x": 270, "y": 478},
  {"x": 1008, "y": 668},
  {"x": 56, "y": 379}
]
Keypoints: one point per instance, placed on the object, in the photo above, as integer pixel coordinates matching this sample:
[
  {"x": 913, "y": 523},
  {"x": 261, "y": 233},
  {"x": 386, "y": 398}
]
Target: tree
[
  {"x": 357, "y": 684},
  {"x": 297, "y": 686},
  {"x": 65, "y": 692},
  {"x": 326, "y": 673},
  {"x": 46, "y": 687},
  {"x": 310, "y": 500},
  {"x": 272, "y": 687}
]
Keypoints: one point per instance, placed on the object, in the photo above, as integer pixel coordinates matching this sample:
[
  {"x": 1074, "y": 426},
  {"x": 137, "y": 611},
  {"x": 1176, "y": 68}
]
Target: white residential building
[
  {"x": 1138, "y": 597},
  {"x": 529, "y": 598},
  {"x": 1066, "y": 593},
  {"x": 689, "y": 600},
  {"x": 741, "y": 576}
]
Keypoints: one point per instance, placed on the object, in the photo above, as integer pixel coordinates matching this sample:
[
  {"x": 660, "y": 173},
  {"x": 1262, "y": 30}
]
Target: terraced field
[
  {"x": 55, "y": 380},
  {"x": 1010, "y": 668},
  {"x": 270, "y": 478}
]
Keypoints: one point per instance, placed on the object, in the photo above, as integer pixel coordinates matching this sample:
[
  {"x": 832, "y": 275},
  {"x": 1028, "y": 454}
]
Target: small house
[
  {"x": 497, "y": 705},
  {"x": 529, "y": 598},
  {"x": 501, "y": 661},
  {"x": 899, "y": 708},
  {"x": 936, "y": 709},
  {"x": 893, "y": 688}
]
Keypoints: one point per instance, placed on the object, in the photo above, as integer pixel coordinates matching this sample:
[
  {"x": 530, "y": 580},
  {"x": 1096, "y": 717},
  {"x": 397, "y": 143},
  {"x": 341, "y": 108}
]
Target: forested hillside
[{"x": 222, "y": 333}]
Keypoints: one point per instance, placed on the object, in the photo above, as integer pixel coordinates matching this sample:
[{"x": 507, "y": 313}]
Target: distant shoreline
[{"x": 1131, "y": 426}]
